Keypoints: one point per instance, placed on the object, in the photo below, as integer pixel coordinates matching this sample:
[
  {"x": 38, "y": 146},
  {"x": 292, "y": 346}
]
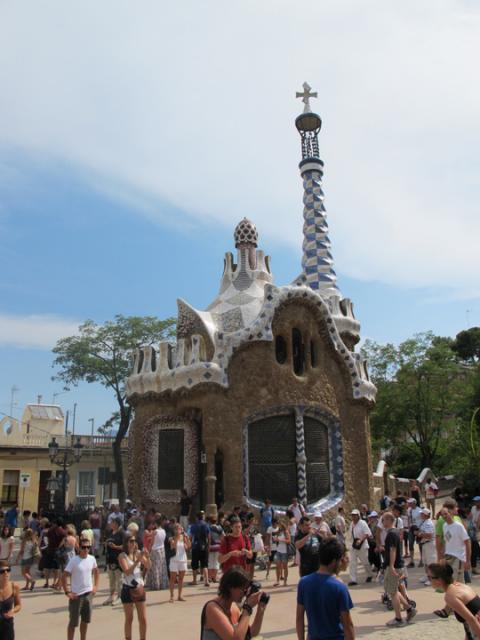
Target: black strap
[{"x": 204, "y": 616}]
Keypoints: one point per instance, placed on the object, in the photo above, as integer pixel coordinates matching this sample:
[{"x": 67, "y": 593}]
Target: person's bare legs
[
  {"x": 285, "y": 572},
  {"x": 205, "y": 577},
  {"x": 181, "y": 576},
  {"x": 396, "y": 605},
  {"x": 70, "y": 632},
  {"x": 83, "y": 630},
  {"x": 173, "y": 577},
  {"x": 27, "y": 576},
  {"x": 278, "y": 571},
  {"x": 128, "y": 610},
  {"x": 142, "y": 619}
]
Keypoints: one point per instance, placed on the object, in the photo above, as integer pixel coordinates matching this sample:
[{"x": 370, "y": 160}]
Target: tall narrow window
[
  {"x": 170, "y": 459},
  {"x": 10, "y": 486},
  {"x": 298, "y": 352},
  {"x": 280, "y": 349}
]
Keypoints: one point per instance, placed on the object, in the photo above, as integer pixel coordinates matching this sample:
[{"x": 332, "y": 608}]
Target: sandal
[{"x": 441, "y": 613}]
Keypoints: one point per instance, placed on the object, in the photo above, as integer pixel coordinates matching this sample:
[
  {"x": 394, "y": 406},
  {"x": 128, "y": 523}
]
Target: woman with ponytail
[{"x": 459, "y": 597}]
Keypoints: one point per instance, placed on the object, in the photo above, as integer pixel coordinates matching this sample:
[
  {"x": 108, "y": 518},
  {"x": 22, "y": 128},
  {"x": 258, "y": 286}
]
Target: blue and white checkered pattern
[{"x": 317, "y": 261}]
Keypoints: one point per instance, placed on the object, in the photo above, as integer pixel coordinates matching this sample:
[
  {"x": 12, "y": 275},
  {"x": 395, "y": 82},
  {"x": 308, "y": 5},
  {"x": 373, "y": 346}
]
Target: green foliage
[
  {"x": 100, "y": 353},
  {"x": 421, "y": 387},
  {"x": 467, "y": 344}
]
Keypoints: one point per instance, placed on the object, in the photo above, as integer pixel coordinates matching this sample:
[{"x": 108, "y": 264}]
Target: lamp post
[{"x": 64, "y": 456}]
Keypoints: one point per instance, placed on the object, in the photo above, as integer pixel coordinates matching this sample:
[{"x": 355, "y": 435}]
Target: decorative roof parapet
[{"x": 171, "y": 369}]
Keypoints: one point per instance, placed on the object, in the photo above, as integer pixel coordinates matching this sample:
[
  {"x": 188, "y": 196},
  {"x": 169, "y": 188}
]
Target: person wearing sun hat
[
  {"x": 426, "y": 540},
  {"x": 360, "y": 533}
]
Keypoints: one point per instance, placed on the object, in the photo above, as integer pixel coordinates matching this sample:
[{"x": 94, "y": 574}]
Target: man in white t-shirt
[
  {"x": 360, "y": 532},
  {"x": 82, "y": 573},
  {"x": 297, "y": 509},
  {"x": 426, "y": 539},
  {"x": 457, "y": 545}
]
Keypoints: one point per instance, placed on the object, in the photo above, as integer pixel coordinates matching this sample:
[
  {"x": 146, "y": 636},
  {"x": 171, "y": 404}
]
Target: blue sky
[{"x": 132, "y": 142}]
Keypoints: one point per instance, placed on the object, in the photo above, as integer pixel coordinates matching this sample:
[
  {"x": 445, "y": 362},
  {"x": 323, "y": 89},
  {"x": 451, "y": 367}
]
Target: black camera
[
  {"x": 253, "y": 587},
  {"x": 265, "y": 598}
]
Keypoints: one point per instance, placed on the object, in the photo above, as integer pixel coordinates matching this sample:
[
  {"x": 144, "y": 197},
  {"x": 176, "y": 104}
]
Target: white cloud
[
  {"x": 193, "y": 103},
  {"x": 34, "y": 331}
]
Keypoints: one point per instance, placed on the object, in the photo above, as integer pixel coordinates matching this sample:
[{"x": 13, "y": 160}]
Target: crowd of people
[{"x": 144, "y": 550}]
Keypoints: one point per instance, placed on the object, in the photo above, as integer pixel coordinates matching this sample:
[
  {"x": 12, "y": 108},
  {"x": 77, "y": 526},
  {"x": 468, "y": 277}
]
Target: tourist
[
  {"x": 95, "y": 519},
  {"x": 216, "y": 536},
  {"x": 35, "y": 523},
  {"x": 426, "y": 539},
  {"x": 360, "y": 533},
  {"x": 415, "y": 492},
  {"x": 457, "y": 545},
  {"x": 414, "y": 516},
  {"x": 86, "y": 532},
  {"x": 169, "y": 527},
  {"x": 292, "y": 530},
  {"x": 325, "y": 599},
  {"x": 374, "y": 556},
  {"x": 394, "y": 573},
  {"x": 431, "y": 491},
  {"x": 451, "y": 505},
  {"x": 113, "y": 548},
  {"x": 267, "y": 514},
  {"x": 320, "y": 526},
  {"x": 148, "y": 536},
  {"x": 82, "y": 573},
  {"x": 308, "y": 543},
  {"x": 460, "y": 598},
  {"x": 54, "y": 553},
  {"x": 200, "y": 534},
  {"x": 250, "y": 530},
  {"x": 132, "y": 563},
  {"x": 11, "y": 517},
  {"x": 223, "y": 619},
  {"x": 340, "y": 525},
  {"x": 282, "y": 540},
  {"x": 185, "y": 509},
  {"x": 43, "y": 543},
  {"x": 400, "y": 500},
  {"x": 115, "y": 514},
  {"x": 26, "y": 556},
  {"x": 10, "y": 603},
  {"x": 271, "y": 544},
  {"x": 364, "y": 511},
  {"x": 297, "y": 509},
  {"x": 157, "y": 576},
  {"x": 7, "y": 542},
  {"x": 180, "y": 544},
  {"x": 234, "y": 548}
]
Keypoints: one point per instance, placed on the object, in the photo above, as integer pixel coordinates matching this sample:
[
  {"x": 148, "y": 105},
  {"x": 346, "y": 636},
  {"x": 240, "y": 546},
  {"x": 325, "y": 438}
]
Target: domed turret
[{"x": 245, "y": 234}]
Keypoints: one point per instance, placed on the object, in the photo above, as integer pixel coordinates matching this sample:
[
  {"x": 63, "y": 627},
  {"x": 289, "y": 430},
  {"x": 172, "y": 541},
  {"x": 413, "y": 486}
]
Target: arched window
[
  {"x": 281, "y": 349},
  {"x": 298, "y": 352}
]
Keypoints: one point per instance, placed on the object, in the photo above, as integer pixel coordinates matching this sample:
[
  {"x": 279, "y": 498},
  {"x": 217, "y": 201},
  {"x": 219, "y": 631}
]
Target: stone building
[{"x": 263, "y": 395}]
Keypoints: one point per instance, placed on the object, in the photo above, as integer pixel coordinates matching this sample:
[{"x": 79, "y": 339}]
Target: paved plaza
[{"x": 44, "y": 614}]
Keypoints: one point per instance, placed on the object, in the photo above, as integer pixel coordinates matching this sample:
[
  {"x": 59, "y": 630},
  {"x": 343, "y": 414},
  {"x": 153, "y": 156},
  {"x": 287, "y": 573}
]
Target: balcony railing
[{"x": 88, "y": 442}]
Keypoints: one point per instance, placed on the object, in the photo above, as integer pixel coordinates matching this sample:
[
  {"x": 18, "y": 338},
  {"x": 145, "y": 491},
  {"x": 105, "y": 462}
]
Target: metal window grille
[{"x": 170, "y": 459}]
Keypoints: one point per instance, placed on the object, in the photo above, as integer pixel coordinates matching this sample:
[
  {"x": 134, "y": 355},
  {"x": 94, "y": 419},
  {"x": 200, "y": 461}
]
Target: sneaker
[
  {"x": 108, "y": 601},
  {"x": 352, "y": 583},
  {"x": 427, "y": 583},
  {"x": 411, "y": 613},
  {"x": 396, "y": 623},
  {"x": 115, "y": 601},
  {"x": 369, "y": 579},
  {"x": 424, "y": 579}
]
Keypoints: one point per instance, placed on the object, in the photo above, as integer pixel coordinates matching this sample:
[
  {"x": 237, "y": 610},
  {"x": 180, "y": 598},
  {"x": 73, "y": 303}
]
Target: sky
[{"x": 135, "y": 136}]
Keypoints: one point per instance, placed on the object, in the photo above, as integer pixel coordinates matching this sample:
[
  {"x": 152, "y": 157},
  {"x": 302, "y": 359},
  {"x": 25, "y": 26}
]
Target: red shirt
[{"x": 232, "y": 543}]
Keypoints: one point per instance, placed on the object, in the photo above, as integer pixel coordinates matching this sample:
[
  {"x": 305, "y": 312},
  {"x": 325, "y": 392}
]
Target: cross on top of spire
[{"x": 306, "y": 94}]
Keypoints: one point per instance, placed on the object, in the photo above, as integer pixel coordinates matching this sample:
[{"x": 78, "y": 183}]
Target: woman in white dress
[
  {"x": 157, "y": 576},
  {"x": 179, "y": 543}
]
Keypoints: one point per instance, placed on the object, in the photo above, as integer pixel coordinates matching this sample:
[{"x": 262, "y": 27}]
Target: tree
[
  {"x": 420, "y": 386},
  {"x": 101, "y": 353},
  {"x": 467, "y": 344}
]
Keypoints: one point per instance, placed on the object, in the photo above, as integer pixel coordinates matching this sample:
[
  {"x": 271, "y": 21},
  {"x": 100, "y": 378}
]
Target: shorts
[
  {"x": 125, "y": 596},
  {"x": 81, "y": 608},
  {"x": 213, "y": 560},
  {"x": 281, "y": 557},
  {"x": 199, "y": 557},
  {"x": 51, "y": 562},
  {"x": 391, "y": 581},
  {"x": 177, "y": 565},
  {"x": 457, "y": 566},
  {"x": 272, "y": 555},
  {"x": 27, "y": 562},
  {"x": 252, "y": 560}
]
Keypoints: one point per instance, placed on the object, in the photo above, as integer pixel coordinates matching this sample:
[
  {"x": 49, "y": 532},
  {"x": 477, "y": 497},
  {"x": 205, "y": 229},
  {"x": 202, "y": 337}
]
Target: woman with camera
[
  {"x": 179, "y": 544},
  {"x": 224, "y": 619},
  {"x": 132, "y": 562}
]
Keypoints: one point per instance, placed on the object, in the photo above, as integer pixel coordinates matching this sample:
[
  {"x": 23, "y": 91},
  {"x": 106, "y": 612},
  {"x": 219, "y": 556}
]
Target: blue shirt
[
  {"x": 199, "y": 532},
  {"x": 11, "y": 517},
  {"x": 324, "y": 598}
]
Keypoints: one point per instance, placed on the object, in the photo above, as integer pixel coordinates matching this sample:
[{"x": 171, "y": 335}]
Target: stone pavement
[{"x": 44, "y": 614}]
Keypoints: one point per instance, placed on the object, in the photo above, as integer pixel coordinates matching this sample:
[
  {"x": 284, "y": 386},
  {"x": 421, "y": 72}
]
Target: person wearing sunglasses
[
  {"x": 133, "y": 563},
  {"x": 10, "y": 603},
  {"x": 459, "y": 597},
  {"x": 82, "y": 574}
]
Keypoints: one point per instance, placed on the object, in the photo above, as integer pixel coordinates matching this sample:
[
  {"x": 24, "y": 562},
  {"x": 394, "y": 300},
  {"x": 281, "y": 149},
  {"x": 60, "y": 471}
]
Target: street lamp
[{"x": 64, "y": 456}]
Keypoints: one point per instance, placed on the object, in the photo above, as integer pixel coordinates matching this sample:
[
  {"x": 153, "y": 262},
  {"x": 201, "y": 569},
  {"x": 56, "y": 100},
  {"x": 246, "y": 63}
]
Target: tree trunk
[{"x": 125, "y": 414}]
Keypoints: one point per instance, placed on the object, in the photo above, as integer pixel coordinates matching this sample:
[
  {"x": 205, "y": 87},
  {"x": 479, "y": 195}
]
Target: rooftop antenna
[{"x": 13, "y": 401}]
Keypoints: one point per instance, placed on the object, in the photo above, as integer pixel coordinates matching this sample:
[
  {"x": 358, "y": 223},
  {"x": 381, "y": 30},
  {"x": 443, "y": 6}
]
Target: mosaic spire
[{"x": 317, "y": 261}]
